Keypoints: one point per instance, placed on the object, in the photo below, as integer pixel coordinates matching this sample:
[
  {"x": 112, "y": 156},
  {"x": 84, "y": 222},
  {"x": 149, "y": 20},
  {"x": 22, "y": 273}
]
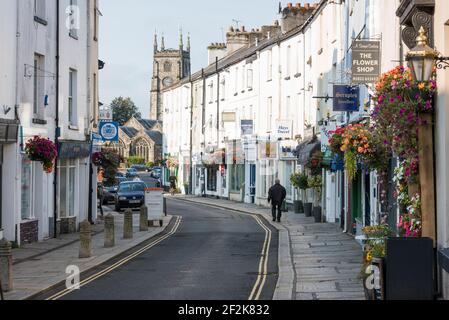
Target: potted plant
[
  {"x": 316, "y": 183},
  {"x": 304, "y": 186},
  {"x": 297, "y": 182},
  {"x": 42, "y": 150}
]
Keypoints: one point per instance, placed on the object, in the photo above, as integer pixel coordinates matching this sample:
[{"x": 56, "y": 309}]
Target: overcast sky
[{"x": 127, "y": 29}]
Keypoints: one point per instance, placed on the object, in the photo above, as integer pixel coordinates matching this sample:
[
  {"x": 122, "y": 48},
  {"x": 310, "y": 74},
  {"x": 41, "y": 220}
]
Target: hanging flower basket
[
  {"x": 42, "y": 150},
  {"x": 98, "y": 159}
]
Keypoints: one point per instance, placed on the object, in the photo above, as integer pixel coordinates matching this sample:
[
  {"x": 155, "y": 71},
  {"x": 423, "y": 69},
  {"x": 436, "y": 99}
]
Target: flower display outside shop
[
  {"x": 172, "y": 163},
  {"x": 375, "y": 247},
  {"x": 97, "y": 159},
  {"x": 355, "y": 142},
  {"x": 315, "y": 163},
  {"x": 43, "y": 150}
]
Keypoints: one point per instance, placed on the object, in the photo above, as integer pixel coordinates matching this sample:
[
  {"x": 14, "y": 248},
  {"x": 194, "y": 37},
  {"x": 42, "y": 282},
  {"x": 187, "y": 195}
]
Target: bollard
[
  {"x": 6, "y": 265},
  {"x": 85, "y": 240},
  {"x": 128, "y": 225},
  {"x": 143, "y": 218},
  {"x": 109, "y": 231}
]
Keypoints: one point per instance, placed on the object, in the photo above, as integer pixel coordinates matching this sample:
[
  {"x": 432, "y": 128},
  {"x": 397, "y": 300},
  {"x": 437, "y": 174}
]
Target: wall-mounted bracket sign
[
  {"x": 346, "y": 98},
  {"x": 365, "y": 61}
]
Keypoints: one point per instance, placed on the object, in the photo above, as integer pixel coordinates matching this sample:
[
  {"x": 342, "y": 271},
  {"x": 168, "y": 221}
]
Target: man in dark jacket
[{"x": 276, "y": 196}]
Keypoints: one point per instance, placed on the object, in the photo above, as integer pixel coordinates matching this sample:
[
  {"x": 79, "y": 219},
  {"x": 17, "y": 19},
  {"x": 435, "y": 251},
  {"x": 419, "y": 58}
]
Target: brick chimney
[{"x": 295, "y": 16}]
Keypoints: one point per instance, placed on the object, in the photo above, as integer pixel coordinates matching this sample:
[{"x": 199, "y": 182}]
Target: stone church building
[
  {"x": 141, "y": 138},
  {"x": 169, "y": 67}
]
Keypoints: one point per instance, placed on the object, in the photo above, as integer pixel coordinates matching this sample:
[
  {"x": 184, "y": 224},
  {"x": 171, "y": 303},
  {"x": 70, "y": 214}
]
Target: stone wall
[{"x": 29, "y": 231}]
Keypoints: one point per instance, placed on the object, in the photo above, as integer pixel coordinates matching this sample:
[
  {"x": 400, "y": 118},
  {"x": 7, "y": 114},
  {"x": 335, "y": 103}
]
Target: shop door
[
  {"x": 356, "y": 199},
  {"x": 253, "y": 183}
]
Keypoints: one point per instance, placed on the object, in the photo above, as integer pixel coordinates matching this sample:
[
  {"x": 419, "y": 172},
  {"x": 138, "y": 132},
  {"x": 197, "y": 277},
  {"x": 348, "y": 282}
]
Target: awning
[{"x": 308, "y": 150}]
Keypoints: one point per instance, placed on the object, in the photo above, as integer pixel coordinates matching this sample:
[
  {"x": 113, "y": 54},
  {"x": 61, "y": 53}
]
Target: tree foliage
[{"x": 123, "y": 109}]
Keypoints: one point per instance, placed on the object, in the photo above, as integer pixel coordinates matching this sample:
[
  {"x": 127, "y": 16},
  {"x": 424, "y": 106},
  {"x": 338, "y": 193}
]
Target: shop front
[
  {"x": 235, "y": 161},
  {"x": 73, "y": 172}
]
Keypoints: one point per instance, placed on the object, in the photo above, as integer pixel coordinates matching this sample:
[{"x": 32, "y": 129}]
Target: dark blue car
[{"x": 130, "y": 195}]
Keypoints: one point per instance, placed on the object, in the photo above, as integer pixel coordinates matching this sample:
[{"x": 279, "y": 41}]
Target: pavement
[
  {"x": 40, "y": 266},
  {"x": 214, "y": 254},
  {"x": 317, "y": 261}
]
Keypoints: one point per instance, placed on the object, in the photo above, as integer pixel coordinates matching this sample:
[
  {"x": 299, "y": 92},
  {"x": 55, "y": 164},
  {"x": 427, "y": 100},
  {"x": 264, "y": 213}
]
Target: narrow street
[{"x": 214, "y": 255}]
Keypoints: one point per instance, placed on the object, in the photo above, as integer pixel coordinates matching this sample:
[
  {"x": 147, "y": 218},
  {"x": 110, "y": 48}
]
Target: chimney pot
[
  {"x": 298, "y": 5},
  {"x": 307, "y": 6},
  {"x": 289, "y": 5}
]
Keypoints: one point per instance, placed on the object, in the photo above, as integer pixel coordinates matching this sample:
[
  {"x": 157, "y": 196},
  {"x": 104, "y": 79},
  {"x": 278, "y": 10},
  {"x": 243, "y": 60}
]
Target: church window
[{"x": 167, "y": 67}]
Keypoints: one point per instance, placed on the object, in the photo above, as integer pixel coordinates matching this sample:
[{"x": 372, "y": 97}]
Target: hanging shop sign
[
  {"x": 228, "y": 117},
  {"x": 247, "y": 127},
  {"x": 268, "y": 150},
  {"x": 284, "y": 129},
  {"x": 109, "y": 131},
  {"x": 346, "y": 98},
  {"x": 365, "y": 61}
]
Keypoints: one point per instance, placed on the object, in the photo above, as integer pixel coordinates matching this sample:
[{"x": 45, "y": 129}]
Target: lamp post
[{"x": 422, "y": 61}]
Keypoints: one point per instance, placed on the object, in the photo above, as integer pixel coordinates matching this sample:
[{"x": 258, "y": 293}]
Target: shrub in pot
[
  {"x": 316, "y": 183},
  {"x": 300, "y": 182}
]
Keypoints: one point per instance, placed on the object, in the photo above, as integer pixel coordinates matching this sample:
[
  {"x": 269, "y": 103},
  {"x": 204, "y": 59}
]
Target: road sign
[{"x": 109, "y": 131}]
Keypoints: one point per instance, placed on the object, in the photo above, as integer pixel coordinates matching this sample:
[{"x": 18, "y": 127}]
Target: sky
[{"x": 127, "y": 30}]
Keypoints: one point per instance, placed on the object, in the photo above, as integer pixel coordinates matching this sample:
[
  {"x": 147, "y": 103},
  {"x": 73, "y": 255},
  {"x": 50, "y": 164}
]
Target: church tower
[{"x": 169, "y": 67}]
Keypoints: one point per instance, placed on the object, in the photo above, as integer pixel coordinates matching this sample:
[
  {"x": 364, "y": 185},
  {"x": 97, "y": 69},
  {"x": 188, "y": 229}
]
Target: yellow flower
[
  {"x": 421, "y": 86},
  {"x": 343, "y": 148}
]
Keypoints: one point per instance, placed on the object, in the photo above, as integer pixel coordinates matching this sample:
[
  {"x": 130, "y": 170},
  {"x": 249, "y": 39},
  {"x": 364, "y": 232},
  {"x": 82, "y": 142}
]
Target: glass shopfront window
[
  {"x": 26, "y": 192},
  {"x": 289, "y": 169},
  {"x": 67, "y": 177},
  {"x": 237, "y": 173}
]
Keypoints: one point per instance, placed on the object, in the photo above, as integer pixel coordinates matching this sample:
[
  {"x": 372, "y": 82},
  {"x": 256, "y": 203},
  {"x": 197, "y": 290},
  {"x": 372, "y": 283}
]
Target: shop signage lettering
[
  {"x": 365, "y": 61},
  {"x": 247, "y": 127}
]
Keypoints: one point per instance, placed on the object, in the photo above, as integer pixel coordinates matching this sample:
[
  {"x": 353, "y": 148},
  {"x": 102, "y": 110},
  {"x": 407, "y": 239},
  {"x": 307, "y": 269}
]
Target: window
[
  {"x": 73, "y": 17},
  {"x": 288, "y": 62},
  {"x": 250, "y": 79},
  {"x": 270, "y": 65},
  {"x": 72, "y": 98},
  {"x": 236, "y": 80},
  {"x": 67, "y": 176},
  {"x": 237, "y": 172},
  {"x": 39, "y": 9},
  {"x": 26, "y": 194},
  {"x": 288, "y": 114},
  {"x": 242, "y": 85},
  {"x": 96, "y": 17},
  {"x": 223, "y": 89},
  {"x": 211, "y": 92},
  {"x": 38, "y": 86},
  {"x": 269, "y": 113},
  {"x": 167, "y": 67}
]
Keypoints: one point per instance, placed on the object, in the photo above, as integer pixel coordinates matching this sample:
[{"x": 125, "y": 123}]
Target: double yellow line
[
  {"x": 263, "y": 264},
  {"x": 119, "y": 263}
]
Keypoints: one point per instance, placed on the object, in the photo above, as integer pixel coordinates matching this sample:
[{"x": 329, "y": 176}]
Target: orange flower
[{"x": 421, "y": 86}]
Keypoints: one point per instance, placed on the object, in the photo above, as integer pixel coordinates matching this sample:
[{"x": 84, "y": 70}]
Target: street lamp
[{"x": 422, "y": 59}]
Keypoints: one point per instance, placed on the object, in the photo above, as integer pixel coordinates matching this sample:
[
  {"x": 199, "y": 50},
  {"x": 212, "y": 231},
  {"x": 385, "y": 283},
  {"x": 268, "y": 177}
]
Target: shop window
[
  {"x": 237, "y": 177},
  {"x": 67, "y": 182},
  {"x": 26, "y": 192}
]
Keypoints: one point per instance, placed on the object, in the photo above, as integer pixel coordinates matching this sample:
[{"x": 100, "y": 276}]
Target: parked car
[
  {"x": 140, "y": 168},
  {"x": 130, "y": 194},
  {"x": 156, "y": 172},
  {"x": 120, "y": 174},
  {"x": 131, "y": 173},
  {"x": 109, "y": 194}
]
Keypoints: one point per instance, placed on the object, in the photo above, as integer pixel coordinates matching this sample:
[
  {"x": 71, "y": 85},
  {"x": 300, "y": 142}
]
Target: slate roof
[
  {"x": 148, "y": 124},
  {"x": 156, "y": 136},
  {"x": 130, "y": 132}
]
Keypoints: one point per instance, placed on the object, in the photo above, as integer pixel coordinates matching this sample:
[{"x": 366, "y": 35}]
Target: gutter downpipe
[
  {"x": 191, "y": 135},
  {"x": 17, "y": 175},
  {"x": 57, "y": 130}
]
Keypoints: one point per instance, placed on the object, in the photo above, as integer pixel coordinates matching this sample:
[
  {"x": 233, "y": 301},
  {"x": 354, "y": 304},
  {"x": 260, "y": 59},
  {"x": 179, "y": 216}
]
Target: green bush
[{"x": 135, "y": 160}]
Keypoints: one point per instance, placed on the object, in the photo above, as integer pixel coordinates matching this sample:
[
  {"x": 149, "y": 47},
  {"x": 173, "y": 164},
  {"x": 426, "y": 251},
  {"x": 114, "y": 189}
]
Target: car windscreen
[{"x": 130, "y": 187}]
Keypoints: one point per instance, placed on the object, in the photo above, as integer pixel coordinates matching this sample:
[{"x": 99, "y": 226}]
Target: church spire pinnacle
[
  {"x": 163, "y": 43},
  {"x": 188, "y": 42},
  {"x": 181, "y": 40},
  {"x": 155, "y": 42}
]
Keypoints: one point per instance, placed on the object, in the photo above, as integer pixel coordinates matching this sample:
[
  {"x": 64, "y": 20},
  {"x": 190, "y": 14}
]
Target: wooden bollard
[
  {"x": 85, "y": 240},
  {"x": 128, "y": 225},
  {"x": 109, "y": 231},
  {"x": 6, "y": 265},
  {"x": 144, "y": 218}
]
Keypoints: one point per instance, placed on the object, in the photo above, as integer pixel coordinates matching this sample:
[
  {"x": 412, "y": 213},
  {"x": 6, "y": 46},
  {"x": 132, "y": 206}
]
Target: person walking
[
  {"x": 276, "y": 197},
  {"x": 100, "y": 194},
  {"x": 173, "y": 181}
]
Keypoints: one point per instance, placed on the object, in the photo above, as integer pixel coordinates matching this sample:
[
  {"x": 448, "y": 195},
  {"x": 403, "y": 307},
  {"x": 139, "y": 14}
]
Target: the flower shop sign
[
  {"x": 346, "y": 98},
  {"x": 365, "y": 61}
]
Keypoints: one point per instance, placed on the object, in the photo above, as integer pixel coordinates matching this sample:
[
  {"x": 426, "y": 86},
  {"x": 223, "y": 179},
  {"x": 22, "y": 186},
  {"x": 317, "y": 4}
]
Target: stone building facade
[{"x": 141, "y": 138}]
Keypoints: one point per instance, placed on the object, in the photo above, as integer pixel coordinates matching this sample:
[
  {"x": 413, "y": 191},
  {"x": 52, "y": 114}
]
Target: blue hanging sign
[
  {"x": 346, "y": 98},
  {"x": 109, "y": 131}
]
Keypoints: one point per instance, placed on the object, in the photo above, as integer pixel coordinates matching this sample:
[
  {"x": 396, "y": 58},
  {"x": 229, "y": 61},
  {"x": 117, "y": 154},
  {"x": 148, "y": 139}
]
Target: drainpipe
[
  {"x": 57, "y": 130},
  {"x": 191, "y": 135},
  {"x": 218, "y": 101}
]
